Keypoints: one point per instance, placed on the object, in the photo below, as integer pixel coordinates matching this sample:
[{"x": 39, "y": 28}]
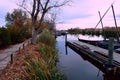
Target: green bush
[
  {"x": 5, "y": 39},
  {"x": 18, "y": 34},
  {"x": 25, "y": 34},
  {"x": 47, "y": 38},
  {"x": 43, "y": 68}
]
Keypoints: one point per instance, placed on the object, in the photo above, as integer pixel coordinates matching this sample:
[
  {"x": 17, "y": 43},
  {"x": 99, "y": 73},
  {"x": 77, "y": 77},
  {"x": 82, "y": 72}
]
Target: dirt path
[
  {"x": 15, "y": 71},
  {"x": 5, "y": 55}
]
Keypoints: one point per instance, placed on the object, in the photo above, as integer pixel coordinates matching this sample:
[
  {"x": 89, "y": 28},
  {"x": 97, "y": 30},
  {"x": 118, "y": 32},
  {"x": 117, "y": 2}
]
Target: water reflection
[
  {"x": 66, "y": 50},
  {"x": 74, "y": 67}
]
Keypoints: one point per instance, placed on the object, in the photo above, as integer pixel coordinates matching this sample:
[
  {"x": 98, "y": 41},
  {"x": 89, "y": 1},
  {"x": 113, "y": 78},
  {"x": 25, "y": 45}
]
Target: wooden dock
[{"x": 98, "y": 57}]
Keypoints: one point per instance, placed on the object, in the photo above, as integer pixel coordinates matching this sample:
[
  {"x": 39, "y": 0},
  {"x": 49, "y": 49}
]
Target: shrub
[
  {"x": 42, "y": 68},
  {"x": 48, "y": 53},
  {"x": 25, "y": 33},
  {"x": 5, "y": 39},
  {"x": 18, "y": 34},
  {"x": 15, "y": 34},
  {"x": 47, "y": 38}
]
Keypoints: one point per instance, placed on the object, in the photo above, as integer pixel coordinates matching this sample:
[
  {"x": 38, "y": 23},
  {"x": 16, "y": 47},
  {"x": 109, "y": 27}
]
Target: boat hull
[{"x": 101, "y": 43}]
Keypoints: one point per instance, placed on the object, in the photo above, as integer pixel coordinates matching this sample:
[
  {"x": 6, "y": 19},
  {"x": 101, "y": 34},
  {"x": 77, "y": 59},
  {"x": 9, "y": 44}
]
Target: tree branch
[
  {"x": 33, "y": 9},
  {"x": 22, "y": 6},
  {"x": 45, "y": 8},
  {"x": 57, "y": 5},
  {"x": 41, "y": 5},
  {"x": 25, "y": 9},
  {"x": 23, "y": 2},
  {"x": 38, "y": 9}
]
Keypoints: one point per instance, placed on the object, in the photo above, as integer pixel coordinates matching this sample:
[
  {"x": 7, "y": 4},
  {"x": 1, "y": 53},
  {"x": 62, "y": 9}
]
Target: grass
[
  {"x": 44, "y": 67},
  {"x": 47, "y": 38}
]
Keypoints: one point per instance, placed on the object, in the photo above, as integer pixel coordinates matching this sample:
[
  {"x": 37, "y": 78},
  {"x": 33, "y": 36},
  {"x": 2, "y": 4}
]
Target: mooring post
[
  {"x": 66, "y": 39},
  {"x": 110, "y": 51},
  {"x": 23, "y": 46}
]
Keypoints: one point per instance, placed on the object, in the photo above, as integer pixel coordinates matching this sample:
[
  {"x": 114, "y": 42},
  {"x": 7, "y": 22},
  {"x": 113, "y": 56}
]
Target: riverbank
[{"x": 35, "y": 62}]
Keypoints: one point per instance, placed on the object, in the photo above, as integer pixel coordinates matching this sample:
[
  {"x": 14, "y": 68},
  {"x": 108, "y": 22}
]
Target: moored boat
[{"x": 102, "y": 43}]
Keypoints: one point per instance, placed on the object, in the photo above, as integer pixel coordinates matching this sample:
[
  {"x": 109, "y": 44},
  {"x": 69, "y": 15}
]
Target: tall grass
[
  {"x": 44, "y": 68},
  {"x": 47, "y": 38}
]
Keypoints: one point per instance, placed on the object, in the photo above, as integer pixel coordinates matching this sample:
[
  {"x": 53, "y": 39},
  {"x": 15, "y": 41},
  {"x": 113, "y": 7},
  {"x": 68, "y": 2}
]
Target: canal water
[{"x": 73, "y": 65}]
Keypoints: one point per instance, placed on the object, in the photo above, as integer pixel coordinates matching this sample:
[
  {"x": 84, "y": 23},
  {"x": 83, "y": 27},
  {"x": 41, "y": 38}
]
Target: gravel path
[{"x": 5, "y": 56}]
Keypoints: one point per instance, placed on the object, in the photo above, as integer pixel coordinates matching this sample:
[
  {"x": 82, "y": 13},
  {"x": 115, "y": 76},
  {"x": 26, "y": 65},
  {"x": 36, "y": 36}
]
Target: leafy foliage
[
  {"x": 108, "y": 31},
  {"x": 18, "y": 34},
  {"x": 47, "y": 38},
  {"x": 44, "y": 67},
  {"x": 16, "y": 30},
  {"x": 17, "y": 18},
  {"x": 5, "y": 38},
  {"x": 74, "y": 31},
  {"x": 39, "y": 69}
]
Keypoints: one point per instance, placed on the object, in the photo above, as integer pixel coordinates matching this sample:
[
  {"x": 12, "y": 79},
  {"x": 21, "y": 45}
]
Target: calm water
[{"x": 73, "y": 66}]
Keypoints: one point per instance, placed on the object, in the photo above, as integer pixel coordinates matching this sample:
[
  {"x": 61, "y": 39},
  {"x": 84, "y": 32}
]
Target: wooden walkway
[
  {"x": 116, "y": 56},
  {"x": 97, "y": 56}
]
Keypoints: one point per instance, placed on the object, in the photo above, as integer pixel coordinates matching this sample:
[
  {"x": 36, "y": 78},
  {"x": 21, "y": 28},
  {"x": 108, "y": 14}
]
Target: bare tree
[{"x": 39, "y": 7}]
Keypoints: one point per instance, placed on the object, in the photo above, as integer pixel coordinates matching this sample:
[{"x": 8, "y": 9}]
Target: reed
[
  {"x": 47, "y": 38},
  {"x": 44, "y": 67}
]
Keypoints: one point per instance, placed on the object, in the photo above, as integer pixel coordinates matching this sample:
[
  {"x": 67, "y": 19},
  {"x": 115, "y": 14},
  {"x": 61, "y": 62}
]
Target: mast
[
  {"x": 104, "y": 15},
  {"x": 117, "y": 33},
  {"x": 102, "y": 26}
]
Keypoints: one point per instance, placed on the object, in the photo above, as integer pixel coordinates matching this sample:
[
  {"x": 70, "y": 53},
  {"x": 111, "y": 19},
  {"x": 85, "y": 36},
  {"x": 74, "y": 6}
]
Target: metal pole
[
  {"x": 111, "y": 48},
  {"x": 102, "y": 25},
  {"x": 115, "y": 23}
]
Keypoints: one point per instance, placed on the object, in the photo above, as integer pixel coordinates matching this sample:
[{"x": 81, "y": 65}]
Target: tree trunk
[{"x": 34, "y": 37}]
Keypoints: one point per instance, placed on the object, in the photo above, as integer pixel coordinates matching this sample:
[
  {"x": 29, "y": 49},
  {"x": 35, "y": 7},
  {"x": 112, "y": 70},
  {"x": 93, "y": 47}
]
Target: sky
[
  {"x": 80, "y": 13},
  {"x": 6, "y": 6}
]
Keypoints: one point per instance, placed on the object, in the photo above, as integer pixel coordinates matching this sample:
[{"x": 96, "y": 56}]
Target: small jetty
[
  {"x": 98, "y": 57},
  {"x": 102, "y": 43}
]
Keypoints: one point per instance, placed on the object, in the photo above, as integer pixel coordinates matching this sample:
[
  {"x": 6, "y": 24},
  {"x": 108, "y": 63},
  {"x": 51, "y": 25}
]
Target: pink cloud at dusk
[
  {"x": 81, "y": 13},
  {"x": 84, "y": 14}
]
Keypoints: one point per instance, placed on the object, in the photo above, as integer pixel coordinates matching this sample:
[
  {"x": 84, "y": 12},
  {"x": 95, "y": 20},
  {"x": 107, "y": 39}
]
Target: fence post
[
  {"x": 11, "y": 58},
  {"x": 23, "y": 46}
]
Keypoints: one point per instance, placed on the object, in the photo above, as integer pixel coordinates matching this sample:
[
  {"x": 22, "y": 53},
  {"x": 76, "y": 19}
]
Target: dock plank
[
  {"x": 98, "y": 57},
  {"x": 116, "y": 56}
]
